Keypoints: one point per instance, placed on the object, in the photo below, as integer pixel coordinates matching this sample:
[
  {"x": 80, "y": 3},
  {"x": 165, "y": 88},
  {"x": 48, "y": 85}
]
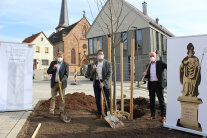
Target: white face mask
[
  {"x": 100, "y": 56},
  {"x": 60, "y": 59},
  {"x": 152, "y": 59}
]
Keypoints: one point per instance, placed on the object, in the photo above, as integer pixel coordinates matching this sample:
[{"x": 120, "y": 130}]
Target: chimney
[
  {"x": 84, "y": 13},
  {"x": 144, "y": 6},
  {"x": 157, "y": 20}
]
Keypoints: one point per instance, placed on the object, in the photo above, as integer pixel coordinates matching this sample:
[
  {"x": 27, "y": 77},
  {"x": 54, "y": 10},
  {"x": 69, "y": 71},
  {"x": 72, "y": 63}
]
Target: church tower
[{"x": 64, "y": 21}]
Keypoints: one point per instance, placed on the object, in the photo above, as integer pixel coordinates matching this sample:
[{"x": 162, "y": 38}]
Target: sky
[{"x": 22, "y": 18}]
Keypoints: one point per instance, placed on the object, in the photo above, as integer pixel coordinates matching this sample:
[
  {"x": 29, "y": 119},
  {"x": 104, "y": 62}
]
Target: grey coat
[
  {"x": 106, "y": 73},
  {"x": 63, "y": 73}
]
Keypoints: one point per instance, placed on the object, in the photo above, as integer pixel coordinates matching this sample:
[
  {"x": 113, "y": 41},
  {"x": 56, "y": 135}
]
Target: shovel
[
  {"x": 113, "y": 121},
  {"x": 139, "y": 85},
  {"x": 65, "y": 116}
]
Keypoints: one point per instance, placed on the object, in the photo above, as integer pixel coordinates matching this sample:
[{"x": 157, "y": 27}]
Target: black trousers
[
  {"x": 155, "y": 88},
  {"x": 97, "y": 93}
]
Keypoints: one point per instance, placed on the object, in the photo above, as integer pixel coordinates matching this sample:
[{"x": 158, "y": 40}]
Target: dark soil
[
  {"x": 75, "y": 101},
  {"x": 82, "y": 110}
]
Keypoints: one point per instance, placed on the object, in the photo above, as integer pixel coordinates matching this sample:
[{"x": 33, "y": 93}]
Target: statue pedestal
[{"x": 189, "y": 112}]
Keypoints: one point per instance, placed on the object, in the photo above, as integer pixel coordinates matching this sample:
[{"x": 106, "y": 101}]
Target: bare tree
[{"x": 112, "y": 14}]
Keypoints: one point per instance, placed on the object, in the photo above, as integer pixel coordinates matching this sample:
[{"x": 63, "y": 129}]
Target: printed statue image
[
  {"x": 190, "y": 79},
  {"x": 190, "y": 76}
]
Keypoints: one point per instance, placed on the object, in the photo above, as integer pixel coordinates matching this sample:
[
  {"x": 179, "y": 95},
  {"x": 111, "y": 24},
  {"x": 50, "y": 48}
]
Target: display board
[
  {"x": 16, "y": 76},
  {"x": 187, "y": 84}
]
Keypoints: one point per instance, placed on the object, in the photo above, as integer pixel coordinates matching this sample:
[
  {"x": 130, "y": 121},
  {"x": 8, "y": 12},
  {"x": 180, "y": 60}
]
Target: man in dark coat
[
  {"x": 101, "y": 69},
  {"x": 62, "y": 68},
  {"x": 156, "y": 85}
]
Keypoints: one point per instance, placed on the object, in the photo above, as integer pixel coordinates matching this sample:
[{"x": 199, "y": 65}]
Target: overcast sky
[{"x": 22, "y": 18}]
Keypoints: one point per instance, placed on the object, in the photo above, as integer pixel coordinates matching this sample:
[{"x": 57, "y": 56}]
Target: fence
[{"x": 139, "y": 68}]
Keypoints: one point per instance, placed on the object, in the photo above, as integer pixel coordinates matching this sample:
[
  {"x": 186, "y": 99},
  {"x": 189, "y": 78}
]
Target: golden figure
[{"x": 190, "y": 76}]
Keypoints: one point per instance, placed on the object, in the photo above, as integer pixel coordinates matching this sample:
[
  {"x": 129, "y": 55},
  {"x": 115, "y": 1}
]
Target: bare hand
[
  {"x": 144, "y": 73},
  {"x": 55, "y": 66},
  {"x": 94, "y": 67},
  {"x": 60, "y": 83},
  {"x": 101, "y": 85}
]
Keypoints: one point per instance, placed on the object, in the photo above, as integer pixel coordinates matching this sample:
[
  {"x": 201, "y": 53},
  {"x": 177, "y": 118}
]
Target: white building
[{"x": 43, "y": 54}]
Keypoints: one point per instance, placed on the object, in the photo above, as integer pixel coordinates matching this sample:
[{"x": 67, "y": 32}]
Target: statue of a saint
[{"x": 190, "y": 76}]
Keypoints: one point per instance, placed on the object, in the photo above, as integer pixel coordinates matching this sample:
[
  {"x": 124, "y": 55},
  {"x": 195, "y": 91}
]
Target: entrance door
[{"x": 35, "y": 64}]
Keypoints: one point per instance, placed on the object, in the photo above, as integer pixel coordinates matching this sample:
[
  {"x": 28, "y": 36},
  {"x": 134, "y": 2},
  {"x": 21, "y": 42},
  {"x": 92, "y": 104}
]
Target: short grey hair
[{"x": 60, "y": 52}]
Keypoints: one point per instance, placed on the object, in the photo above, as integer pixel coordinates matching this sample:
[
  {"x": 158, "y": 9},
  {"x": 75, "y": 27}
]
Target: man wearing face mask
[
  {"x": 156, "y": 85},
  {"x": 62, "y": 68},
  {"x": 103, "y": 69}
]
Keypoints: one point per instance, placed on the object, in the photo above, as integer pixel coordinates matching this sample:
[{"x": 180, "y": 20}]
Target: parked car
[
  {"x": 87, "y": 73},
  {"x": 83, "y": 70}
]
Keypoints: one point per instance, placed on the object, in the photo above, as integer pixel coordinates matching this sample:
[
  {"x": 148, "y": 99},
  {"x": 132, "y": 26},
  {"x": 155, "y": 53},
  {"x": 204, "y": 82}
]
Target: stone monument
[{"x": 190, "y": 78}]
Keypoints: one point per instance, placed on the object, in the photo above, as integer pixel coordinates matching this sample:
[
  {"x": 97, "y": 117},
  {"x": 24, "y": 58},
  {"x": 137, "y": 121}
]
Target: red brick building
[{"x": 71, "y": 39}]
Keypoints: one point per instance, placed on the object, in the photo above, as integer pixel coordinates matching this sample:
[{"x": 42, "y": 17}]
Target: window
[
  {"x": 37, "y": 49},
  {"x": 124, "y": 40},
  {"x": 84, "y": 46},
  {"x": 93, "y": 46},
  {"x": 73, "y": 56},
  {"x": 46, "y": 50},
  {"x": 90, "y": 44},
  {"x": 157, "y": 40},
  {"x": 45, "y": 62},
  {"x": 138, "y": 38},
  {"x": 100, "y": 43},
  {"x": 164, "y": 43},
  {"x": 41, "y": 38}
]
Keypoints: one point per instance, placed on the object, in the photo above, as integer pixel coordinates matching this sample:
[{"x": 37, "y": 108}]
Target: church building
[{"x": 71, "y": 39}]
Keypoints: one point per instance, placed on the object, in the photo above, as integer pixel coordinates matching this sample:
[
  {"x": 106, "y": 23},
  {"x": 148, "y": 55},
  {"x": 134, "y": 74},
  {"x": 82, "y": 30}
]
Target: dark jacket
[
  {"x": 63, "y": 73},
  {"x": 160, "y": 66},
  {"x": 106, "y": 73}
]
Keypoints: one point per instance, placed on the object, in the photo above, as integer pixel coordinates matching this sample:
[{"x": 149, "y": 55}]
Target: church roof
[
  {"x": 57, "y": 37},
  {"x": 64, "y": 21}
]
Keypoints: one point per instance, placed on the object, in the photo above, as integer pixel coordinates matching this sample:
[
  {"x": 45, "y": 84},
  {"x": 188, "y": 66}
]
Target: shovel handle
[
  {"x": 144, "y": 75},
  {"x": 102, "y": 91},
  {"x": 61, "y": 94}
]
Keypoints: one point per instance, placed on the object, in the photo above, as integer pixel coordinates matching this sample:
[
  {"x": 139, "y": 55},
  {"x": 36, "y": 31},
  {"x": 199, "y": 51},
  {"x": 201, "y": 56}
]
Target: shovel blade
[
  {"x": 113, "y": 121},
  {"x": 66, "y": 117}
]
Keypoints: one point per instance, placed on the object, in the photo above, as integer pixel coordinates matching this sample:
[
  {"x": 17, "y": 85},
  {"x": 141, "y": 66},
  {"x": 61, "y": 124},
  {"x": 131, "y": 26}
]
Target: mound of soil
[
  {"x": 75, "y": 101},
  {"x": 81, "y": 101}
]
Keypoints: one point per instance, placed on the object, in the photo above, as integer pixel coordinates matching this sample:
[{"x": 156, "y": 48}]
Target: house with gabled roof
[
  {"x": 43, "y": 50},
  {"x": 71, "y": 39},
  {"x": 43, "y": 54},
  {"x": 148, "y": 33}
]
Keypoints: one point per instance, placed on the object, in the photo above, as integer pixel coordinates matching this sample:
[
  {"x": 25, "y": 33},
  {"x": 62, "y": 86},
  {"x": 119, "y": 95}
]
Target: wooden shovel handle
[
  {"x": 144, "y": 75},
  {"x": 146, "y": 71},
  {"x": 61, "y": 94},
  {"x": 102, "y": 91},
  {"x": 36, "y": 130}
]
